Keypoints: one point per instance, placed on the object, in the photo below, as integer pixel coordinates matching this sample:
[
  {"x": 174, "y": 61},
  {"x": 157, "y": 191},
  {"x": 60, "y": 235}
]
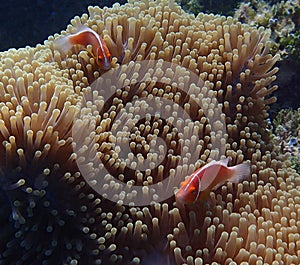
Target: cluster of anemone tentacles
[{"x": 51, "y": 215}]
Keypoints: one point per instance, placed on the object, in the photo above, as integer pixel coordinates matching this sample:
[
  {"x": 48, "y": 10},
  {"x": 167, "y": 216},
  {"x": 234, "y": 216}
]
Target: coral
[
  {"x": 281, "y": 17},
  {"x": 289, "y": 120},
  {"x": 216, "y": 6},
  {"x": 59, "y": 114},
  {"x": 287, "y": 134}
]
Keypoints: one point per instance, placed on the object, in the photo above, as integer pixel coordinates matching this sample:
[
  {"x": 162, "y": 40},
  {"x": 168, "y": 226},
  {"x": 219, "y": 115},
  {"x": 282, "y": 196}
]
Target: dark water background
[{"x": 29, "y": 22}]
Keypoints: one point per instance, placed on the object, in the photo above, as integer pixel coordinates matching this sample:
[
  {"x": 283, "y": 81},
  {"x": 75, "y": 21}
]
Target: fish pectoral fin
[
  {"x": 219, "y": 185},
  {"x": 91, "y": 53},
  {"x": 199, "y": 189}
]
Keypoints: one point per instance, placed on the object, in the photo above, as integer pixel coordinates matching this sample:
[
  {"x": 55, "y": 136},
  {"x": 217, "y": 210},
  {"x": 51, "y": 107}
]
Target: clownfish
[
  {"x": 197, "y": 186},
  {"x": 85, "y": 36}
]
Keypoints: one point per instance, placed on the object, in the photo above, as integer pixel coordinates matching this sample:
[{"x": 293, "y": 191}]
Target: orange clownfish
[
  {"x": 85, "y": 36},
  {"x": 211, "y": 176}
]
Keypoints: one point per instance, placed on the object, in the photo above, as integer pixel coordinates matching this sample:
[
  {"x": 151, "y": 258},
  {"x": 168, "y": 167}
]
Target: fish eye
[{"x": 193, "y": 191}]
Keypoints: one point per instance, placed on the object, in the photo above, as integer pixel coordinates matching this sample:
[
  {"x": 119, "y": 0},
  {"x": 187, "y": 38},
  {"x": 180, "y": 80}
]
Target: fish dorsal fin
[
  {"x": 81, "y": 27},
  {"x": 224, "y": 162},
  {"x": 210, "y": 171}
]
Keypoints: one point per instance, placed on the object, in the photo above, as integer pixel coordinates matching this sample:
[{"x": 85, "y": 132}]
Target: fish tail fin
[
  {"x": 240, "y": 172},
  {"x": 63, "y": 44}
]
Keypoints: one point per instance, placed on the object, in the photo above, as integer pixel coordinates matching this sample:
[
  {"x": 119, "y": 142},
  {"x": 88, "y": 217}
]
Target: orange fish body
[
  {"x": 211, "y": 176},
  {"x": 86, "y": 36}
]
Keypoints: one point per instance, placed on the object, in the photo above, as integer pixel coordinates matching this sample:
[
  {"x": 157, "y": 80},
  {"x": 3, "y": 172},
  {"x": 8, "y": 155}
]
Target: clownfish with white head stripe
[
  {"x": 197, "y": 186},
  {"x": 86, "y": 36}
]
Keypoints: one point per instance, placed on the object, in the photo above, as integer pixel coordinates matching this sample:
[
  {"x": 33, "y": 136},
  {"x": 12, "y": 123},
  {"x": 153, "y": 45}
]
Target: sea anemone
[{"x": 178, "y": 85}]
